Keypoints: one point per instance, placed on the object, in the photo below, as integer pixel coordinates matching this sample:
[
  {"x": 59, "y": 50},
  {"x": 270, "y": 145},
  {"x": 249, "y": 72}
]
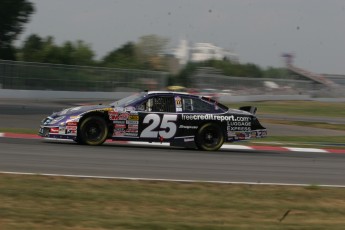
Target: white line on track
[
  {"x": 306, "y": 150},
  {"x": 234, "y": 147},
  {"x": 167, "y": 180}
]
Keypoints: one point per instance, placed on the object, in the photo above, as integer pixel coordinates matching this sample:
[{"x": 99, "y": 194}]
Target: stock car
[{"x": 180, "y": 119}]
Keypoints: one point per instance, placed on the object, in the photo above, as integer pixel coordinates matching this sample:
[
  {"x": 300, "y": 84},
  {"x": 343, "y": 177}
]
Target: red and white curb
[{"x": 225, "y": 146}]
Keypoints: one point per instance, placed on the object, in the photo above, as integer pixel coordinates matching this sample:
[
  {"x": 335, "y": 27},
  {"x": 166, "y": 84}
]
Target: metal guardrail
[{"x": 42, "y": 76}]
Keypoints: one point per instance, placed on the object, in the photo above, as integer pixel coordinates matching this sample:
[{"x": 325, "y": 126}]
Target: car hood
[{"x": 78, "y": 110}]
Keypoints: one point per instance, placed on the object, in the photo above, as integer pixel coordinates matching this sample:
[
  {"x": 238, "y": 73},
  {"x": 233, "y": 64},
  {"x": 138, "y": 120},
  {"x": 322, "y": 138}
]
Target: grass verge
[
  {"x": 295, "y": 108},
  {"x": 321, "y": 125},
  {"x": 39, "y": 202}
]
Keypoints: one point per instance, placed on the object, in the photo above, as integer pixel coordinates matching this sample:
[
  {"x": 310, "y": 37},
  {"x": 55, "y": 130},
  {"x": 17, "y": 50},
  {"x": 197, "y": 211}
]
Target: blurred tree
[
  {"x": 150, "y": 50},
  {"x": 29, "y": 51},
  {"x": 124, "y": 57},
  {"x": 252, "y": 70},
  {"x": 37, "y": 49},
  {"x": 271, "y": 72},
  {"x": 13, "y": 14},
  {"x": 76, "y": 53}
]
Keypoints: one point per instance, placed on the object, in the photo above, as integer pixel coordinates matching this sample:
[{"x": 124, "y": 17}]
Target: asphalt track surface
[
  {"x": 163, "y": 163},
  {"x": 167, "y": 163}
]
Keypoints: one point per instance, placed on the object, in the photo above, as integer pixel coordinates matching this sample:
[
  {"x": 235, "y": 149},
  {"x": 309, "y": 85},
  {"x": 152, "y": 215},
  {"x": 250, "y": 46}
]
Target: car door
[{"x": 158, "y": 122}]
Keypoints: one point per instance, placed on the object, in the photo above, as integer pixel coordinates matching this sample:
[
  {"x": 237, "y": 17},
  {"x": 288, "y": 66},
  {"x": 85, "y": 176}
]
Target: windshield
[{"x": 129, "y": 100}]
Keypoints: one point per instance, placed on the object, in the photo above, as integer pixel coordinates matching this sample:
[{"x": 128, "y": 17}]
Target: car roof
[{"x": 172, "y": 93}]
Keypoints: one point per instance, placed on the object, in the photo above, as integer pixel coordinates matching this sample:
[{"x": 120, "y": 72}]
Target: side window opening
[
  {"x": 187, "y": 105},
  {"x": 160, "y": 104},
  {"x": 192, "y": 105}
]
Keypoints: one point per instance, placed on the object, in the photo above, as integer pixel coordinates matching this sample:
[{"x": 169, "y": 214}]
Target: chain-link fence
[{"x": 41, "y": 76}]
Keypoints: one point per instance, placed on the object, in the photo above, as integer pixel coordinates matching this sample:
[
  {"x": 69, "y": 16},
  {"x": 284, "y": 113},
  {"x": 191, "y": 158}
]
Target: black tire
[
  {"x": 209, "y": 137},
  {"x": 92, "y": 131}
]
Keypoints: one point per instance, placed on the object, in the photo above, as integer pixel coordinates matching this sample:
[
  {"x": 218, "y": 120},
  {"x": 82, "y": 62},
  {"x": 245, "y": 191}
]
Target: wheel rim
[
  {"x": 211, "y": 137},
  {"x": 93, "y": 131}
]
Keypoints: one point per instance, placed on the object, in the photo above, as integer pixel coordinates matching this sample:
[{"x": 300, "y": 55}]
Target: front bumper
[{"x": 51, "y": 132}]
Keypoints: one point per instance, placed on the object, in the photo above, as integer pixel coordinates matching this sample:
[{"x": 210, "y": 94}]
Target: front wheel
[
  {"x": 209, "y": 137},
  {"x": 92, "y": 131}
]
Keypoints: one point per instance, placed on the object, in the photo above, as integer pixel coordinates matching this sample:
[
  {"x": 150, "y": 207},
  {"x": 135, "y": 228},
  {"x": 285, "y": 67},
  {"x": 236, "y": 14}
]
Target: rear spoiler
[{"x": 250, "y": 109}]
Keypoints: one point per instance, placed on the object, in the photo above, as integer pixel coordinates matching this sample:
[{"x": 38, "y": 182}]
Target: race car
[{"x": 181, "y": 119}]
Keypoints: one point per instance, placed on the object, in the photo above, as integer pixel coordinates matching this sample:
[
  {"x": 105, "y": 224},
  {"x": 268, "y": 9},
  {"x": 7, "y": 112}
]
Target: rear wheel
[
  {"x": 92, "y": 131},
  {"x": 209, "y": 137}
]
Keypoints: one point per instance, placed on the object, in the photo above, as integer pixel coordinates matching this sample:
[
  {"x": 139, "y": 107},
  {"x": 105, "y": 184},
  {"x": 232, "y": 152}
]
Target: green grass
[
  {"x": 321, "y": 125},
  {"x": 38, "y": 202},
  {"x": 294, "y": 108}
]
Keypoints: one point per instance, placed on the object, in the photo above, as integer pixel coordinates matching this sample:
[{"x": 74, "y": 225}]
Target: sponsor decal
[
  {"x": 123, "y": 116},
  {"x": 133, "y": 117},
  {"x": 120, "y": 126},
  {"x": 62, "y": 130},
  {"x": 72, "y": 123},
  {"x": 117, "y": 116},
  {"x": 230, "y": 134},
  {"x": 240, "y": 128},
  {"x": 132, "y": 122},
  {"x": 119, "y": 122},
  {"x": 240, "y": 136},
  {"x": 132, "y": 131},
  {"x": 133, "y": 126},
  {"x": 118, "y": 132},
  {"x": 188, "y": 139},
  {"x": 213, "y": 117},
  {"x": 113, "y": 115},
  {"x": 243, "y": 135},
  {"x": 71, "y": 131},
  {"x": 178, "y": 102},
  {"x": 259, "y": 133},
  {"x": 54, "y": 130},
  {"x": 131, "y": 134},
  {"x": 187, "y": 127},
  {"x": 239, "y": 123},
  {"x": 71, "y": 127}
]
